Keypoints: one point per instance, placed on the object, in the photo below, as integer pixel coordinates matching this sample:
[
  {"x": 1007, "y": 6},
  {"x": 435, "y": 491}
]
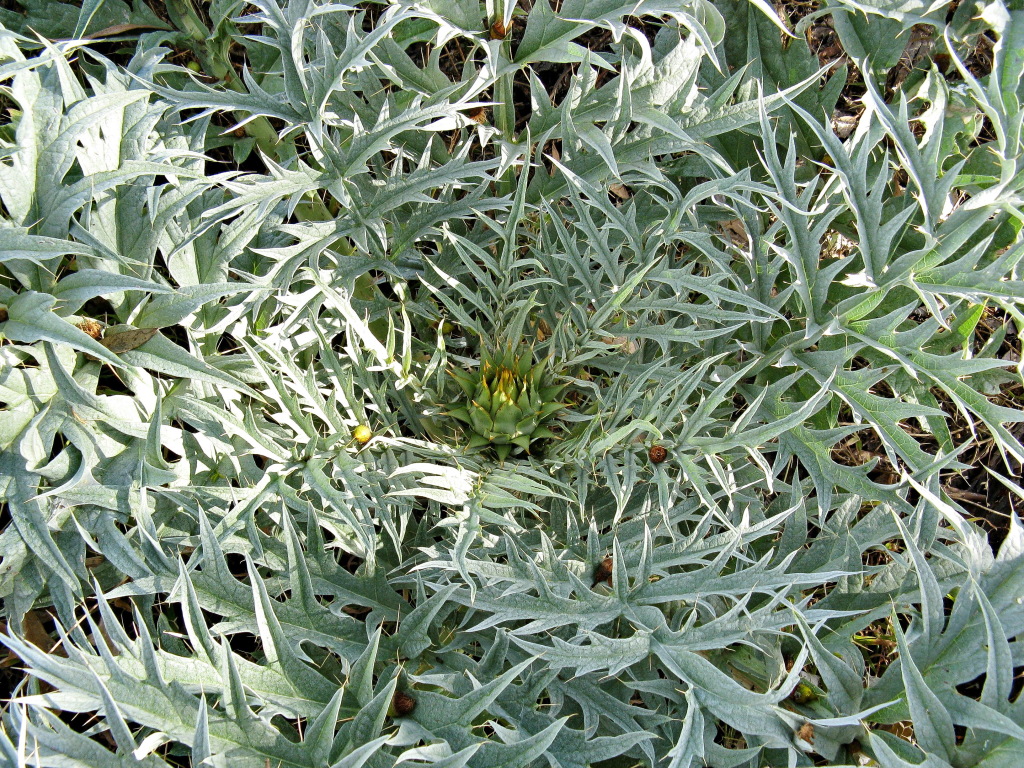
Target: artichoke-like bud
[{"x": 508, "y": 402}]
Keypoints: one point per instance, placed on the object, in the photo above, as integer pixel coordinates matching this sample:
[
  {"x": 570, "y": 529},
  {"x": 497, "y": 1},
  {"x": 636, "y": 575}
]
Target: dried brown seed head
[
  {"x": 402, "y": 704},
  {"x": 498, "y": 30},
  {"x": 603, "y": 572},
  {"x": 657, "y": 454},
  {"x": 806, "y": 733},
  {"x": 91, "y": 328}
]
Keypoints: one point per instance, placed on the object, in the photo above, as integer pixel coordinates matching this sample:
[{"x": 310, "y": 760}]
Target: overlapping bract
[{"x": 509, "y": 402}]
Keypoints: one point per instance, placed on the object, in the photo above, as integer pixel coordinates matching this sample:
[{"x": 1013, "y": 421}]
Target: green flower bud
[{"x": 508, "y": 402}]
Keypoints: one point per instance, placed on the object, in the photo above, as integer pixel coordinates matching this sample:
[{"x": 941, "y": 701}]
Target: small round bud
[
  {"x": 802, "y": 694},
  {"x": 657, "y": 454},
  {"x": 362, "y": 434},
  {"x": 194, "y": 66}
]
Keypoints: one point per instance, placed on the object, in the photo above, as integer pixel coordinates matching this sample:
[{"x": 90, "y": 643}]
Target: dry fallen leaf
[
  {"x": 845, "y": 125},
  {"x": 125, "y": 341},
  {"x": 120, "y": 29},
  {"x": 32, "y": 627},
  {"x": 736, "y": 231},
  {"x": 621, "y": 191},
  {"x": 626, "y": 346}
]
